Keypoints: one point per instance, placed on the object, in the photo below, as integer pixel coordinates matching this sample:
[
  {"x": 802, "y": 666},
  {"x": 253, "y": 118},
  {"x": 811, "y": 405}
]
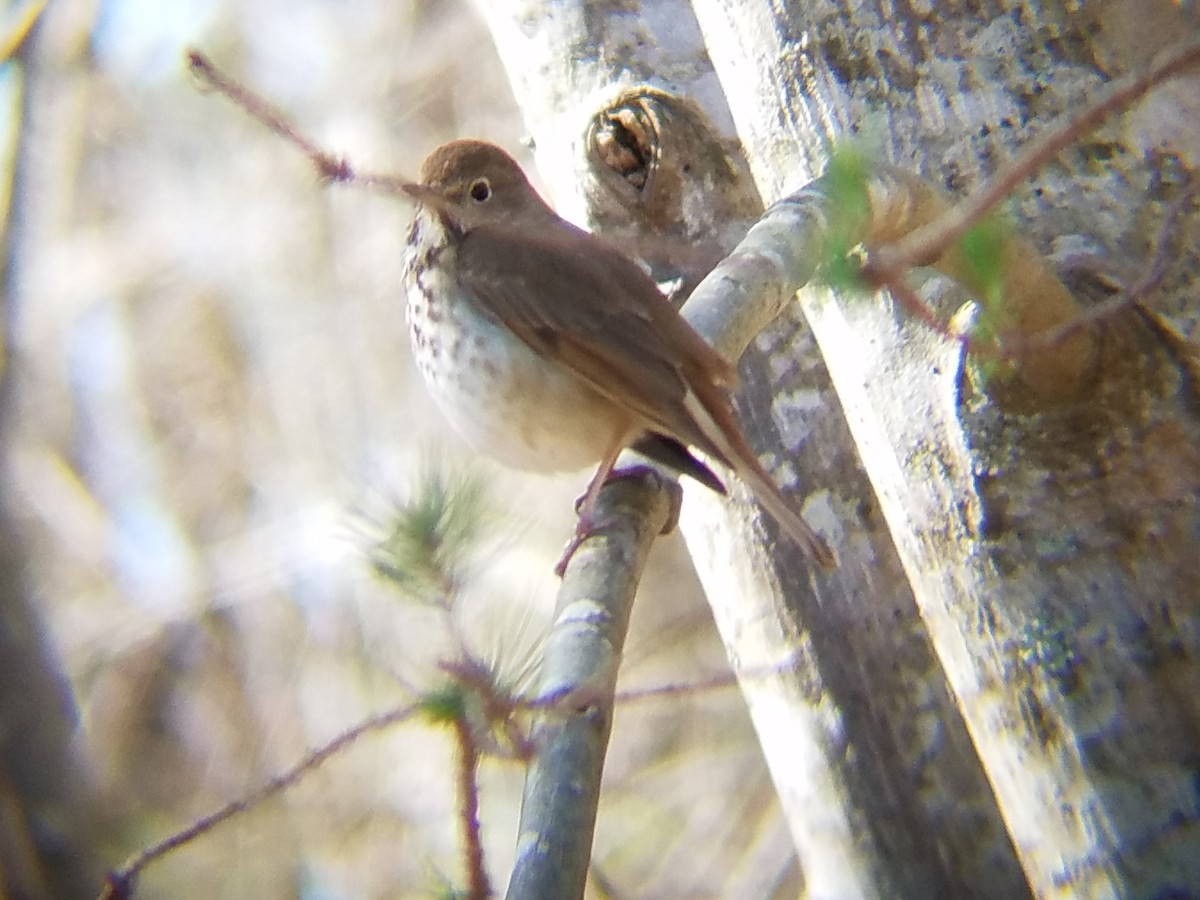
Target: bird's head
[{"x": 474, "y": 182}]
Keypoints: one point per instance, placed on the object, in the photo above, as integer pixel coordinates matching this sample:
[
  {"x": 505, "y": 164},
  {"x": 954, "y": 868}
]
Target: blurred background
[{"x": 210, "y": 415}]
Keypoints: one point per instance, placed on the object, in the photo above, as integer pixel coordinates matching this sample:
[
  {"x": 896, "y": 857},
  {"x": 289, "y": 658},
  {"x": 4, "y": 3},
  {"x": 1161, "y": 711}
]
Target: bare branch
[
  {"x": 120, "y": 883},
  {"x": 1134, "y": 294},
  {"x": 478, "y": 886},
  {"x": 720, "y": 680},
  {"x": 328, "y": 166},
  {"x": 934, "y": 239}
]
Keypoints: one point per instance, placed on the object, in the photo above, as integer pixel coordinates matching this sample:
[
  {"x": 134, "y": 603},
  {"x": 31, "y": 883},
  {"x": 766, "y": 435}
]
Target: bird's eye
[{"x": 480, "y": 190}]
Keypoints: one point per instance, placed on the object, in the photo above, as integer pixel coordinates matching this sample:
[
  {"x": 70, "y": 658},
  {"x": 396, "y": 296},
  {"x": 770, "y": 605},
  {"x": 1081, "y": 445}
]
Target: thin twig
[
  {"x": 478, "y": 886},
  {"x": 1157, "y": 269},
  {"x": 1130, "y": 296},
  {"x": 720, "y": 680},
  {"x": 328, "y": 166},
  {"x": 931, "y": 241},
  {"x": 499, "y": 706},
  {"x": 1015, "y": 346},
  {"x": 907, "y": 297},
  {"x": 119, "y": 883}
]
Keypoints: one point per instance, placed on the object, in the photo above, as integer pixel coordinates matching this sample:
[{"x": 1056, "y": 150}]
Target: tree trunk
[{"x": 996, "y": 692}]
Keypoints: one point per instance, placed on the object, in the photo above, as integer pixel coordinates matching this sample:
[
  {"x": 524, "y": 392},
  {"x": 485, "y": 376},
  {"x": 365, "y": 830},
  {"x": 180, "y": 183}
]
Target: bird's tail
[
  {"x": 772, "y": 500},
  {"x": 718, "y": 425}
]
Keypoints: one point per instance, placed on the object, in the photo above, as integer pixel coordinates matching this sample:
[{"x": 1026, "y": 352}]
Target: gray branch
[{"x": 579, "y": 677}]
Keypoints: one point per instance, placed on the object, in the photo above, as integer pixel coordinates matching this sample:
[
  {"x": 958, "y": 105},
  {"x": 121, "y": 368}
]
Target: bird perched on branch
[{"x": 550, "y": 350}]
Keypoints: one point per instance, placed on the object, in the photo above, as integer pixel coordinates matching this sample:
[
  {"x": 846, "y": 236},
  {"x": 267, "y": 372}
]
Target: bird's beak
[
  {"x": 432, "y": 199},
  {"x": 420, "y": 193}
]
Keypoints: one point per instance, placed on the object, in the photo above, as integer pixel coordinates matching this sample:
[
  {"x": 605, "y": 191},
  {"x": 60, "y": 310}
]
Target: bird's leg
[{"x": 585, "y": 506}]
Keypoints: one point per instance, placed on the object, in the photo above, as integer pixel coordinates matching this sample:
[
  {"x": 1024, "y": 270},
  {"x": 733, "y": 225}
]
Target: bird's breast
[{"x": 511, "y": 403}]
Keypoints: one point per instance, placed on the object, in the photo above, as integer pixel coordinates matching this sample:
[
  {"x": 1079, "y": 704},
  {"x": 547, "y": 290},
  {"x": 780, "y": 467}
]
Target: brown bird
[{"x": 550, "y": 350}]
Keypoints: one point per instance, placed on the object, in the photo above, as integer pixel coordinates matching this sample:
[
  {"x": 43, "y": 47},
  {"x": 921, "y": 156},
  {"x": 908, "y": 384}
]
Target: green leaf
[
  {"x": 845, "y": 185},
  {"x": 982, "y": 250}
]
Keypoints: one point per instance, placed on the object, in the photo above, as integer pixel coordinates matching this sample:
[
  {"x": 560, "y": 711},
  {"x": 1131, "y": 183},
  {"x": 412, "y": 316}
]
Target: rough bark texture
[
  {"x": 876, "y": 772},
  {"x": 1049, "y": 553},
  {"x": 1030, "y": 654}
]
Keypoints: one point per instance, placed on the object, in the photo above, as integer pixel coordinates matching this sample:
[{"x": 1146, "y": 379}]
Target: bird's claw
[{"x": 586, "y": 524}]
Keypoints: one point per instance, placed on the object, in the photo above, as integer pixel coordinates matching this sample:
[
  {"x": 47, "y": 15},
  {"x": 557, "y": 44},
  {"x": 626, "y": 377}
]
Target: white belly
[{"x": 498, "y": 394}]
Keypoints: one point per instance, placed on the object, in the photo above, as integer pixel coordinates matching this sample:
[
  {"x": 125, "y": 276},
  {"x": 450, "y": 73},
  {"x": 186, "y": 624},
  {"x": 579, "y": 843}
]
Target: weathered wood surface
[{"x": 997, "y": 691}]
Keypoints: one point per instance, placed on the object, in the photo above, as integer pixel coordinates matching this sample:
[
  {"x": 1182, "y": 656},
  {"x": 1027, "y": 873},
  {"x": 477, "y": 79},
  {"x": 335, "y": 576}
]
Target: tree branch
[
  {"x": 120, "y": 883},
  {"x": 579, "y": 675}
]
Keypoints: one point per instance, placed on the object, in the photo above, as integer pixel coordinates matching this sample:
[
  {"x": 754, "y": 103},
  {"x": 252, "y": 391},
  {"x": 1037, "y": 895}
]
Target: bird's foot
[
  {"x": 588, "y": 523},
  {"x": 582, "y": 530}
]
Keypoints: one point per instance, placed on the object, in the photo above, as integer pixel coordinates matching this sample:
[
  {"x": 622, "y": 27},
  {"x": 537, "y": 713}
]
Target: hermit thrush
[{"x": 550, "y": 350}]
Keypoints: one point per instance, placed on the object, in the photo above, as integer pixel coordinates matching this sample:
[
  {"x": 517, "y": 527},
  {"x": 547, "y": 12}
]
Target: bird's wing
[
  {"x": 635, "y": 349},
  {"x": 607, "y": 321}
]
